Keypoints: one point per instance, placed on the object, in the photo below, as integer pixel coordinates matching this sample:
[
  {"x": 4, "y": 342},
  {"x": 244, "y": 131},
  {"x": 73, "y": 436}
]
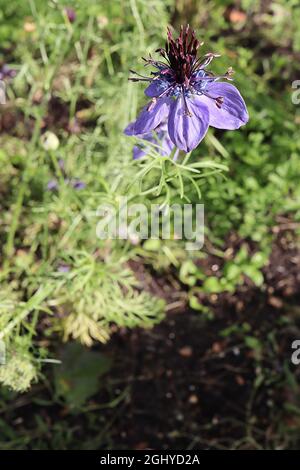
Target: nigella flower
[
  {"x": 77, "y": 184},
  {"x": 7, "y": 72},
  {"x": 186, "y": 95},
  {"x": 52, "y": 185},
  {"x": 63, "y": 268}
]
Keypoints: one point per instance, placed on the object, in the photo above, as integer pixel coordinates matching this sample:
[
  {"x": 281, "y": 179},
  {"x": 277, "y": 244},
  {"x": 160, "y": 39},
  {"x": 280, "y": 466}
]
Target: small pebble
[
  {"x": 193, "y": 399},
  {"x": 186, "y": 351}
]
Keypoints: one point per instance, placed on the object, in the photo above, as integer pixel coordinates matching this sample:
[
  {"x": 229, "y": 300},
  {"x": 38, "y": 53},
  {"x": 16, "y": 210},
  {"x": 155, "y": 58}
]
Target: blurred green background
[{"x": 83, "y": 367}]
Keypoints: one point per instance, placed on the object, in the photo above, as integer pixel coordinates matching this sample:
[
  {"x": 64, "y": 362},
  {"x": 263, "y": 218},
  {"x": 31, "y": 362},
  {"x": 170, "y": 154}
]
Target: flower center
[
  {"x": 182, "y": 54},
  {"x": 181, "y": 72}
]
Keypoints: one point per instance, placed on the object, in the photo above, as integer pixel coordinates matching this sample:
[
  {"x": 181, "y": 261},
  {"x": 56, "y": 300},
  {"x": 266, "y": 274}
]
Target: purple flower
[
  {"x": 187, "y": 96},
  {"x": 52, "y": 185},
  {"x": 61, "y": 164},
  {"x": 7, "y": 72},
  {"x": 71, "y": 14},
  {"x": 78, "y": 184},
  {"x": 160, "y": 139},
  {"x": 63, "y": 268}
]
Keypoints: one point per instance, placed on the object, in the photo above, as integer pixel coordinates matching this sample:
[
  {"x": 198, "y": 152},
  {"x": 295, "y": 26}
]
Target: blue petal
[
  {"x": 150, "y": 117},
  {"x": 167, "y": 146},
  {"x": 160, "y": 139},
  {"x": 139, "y": 152},
  {"x": 129, "y": 130},
  {"x": 156, "y": 87},
  {"x": 186, "y": 131},
  {"x": 233, "y": 112}
]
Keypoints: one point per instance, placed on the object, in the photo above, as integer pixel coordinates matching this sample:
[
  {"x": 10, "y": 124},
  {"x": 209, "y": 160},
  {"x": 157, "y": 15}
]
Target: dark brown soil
[{"x": 191, "y": 386}]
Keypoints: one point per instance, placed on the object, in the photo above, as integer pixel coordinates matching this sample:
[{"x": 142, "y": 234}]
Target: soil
[{"x": 192, "y": 387}]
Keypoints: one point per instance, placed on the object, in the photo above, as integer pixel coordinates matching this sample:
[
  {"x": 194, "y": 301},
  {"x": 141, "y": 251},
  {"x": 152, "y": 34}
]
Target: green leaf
[
  {"x": 188, "y": 273},
  {"x": 242, "y": 255},
  {"x": 152, "y": 244},
  {"x": 212, "y": 285},
  {"x": 77, "y": 378},
  {"x": 258, "y": 260},
  {"x": 232, "y": 271},
  {"x": 255, "y": 275},
  {"x": 253, "y": 343}
]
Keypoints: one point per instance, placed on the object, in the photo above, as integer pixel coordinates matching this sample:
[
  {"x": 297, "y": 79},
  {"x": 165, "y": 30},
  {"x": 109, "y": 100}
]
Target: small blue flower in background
[
  {"x": 186, "y": 96},
  {"x": 7, "y": 72},
  {"x": 63, "y": 268},
  {"x": 52, "y": 185},
  {"x": 76, "y": 183}
]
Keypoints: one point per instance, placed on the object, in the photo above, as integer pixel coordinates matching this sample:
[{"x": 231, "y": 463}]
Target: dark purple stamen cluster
[
  {"x": 183, "y": 73},
  {"x": 181, "y": 54}
]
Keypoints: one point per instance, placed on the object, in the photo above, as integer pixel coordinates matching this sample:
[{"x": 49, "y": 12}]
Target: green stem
[{"x": 32, "y": 304}]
